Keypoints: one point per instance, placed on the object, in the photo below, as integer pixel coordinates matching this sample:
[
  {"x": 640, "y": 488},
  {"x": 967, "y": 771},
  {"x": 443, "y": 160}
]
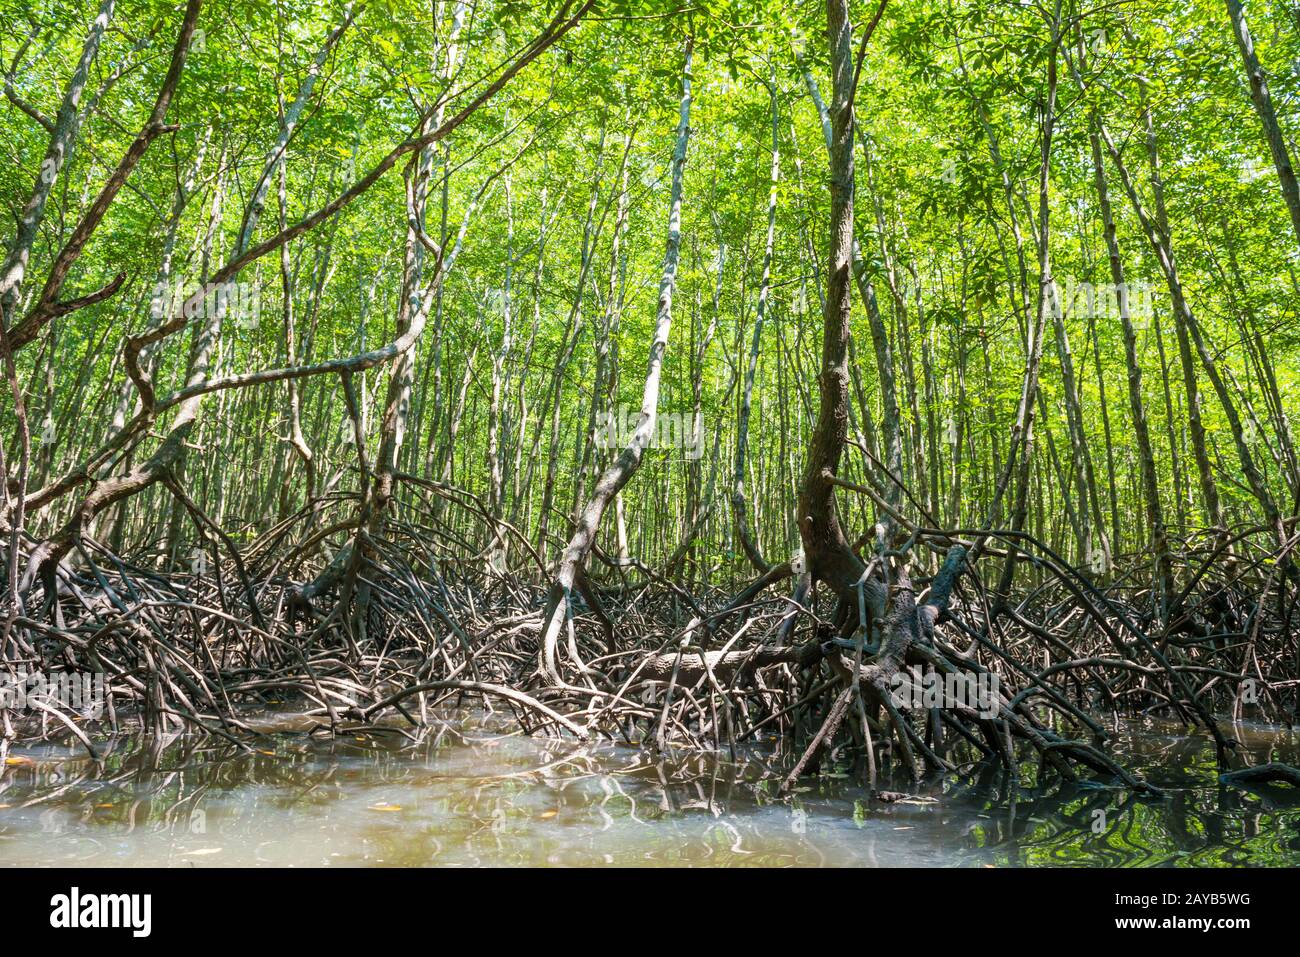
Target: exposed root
[{"x": 196, "y": 650}]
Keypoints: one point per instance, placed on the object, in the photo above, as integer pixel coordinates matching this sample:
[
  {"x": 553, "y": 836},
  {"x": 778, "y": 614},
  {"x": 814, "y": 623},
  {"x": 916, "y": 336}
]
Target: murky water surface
[{"x": 468, "y": 794}]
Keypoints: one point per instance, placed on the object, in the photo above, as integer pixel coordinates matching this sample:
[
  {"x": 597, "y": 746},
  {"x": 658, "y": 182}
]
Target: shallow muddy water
[{"x": 468, "y": 794}]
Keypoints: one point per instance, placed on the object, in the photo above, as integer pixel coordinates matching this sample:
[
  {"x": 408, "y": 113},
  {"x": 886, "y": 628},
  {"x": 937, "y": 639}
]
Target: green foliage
[{"x": 942, "y": 82}]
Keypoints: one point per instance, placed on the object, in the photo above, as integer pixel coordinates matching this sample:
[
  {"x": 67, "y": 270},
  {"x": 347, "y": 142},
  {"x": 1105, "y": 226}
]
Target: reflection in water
[{"x": 464, "y": 793}]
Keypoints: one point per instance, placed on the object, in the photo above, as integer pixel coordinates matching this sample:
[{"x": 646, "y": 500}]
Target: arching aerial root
[{"x": 196, "y": 649}]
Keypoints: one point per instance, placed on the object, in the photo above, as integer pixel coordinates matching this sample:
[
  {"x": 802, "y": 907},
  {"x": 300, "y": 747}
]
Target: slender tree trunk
[
  {"x": 67, "y": 126},
  {"x": 1137, "y": 407},
  {"x": 739, "y": 507},
  {"x": 1263, "y": 103},
  {"x": 826, "y": 550},
  {"x": 621, "y": 471},
  {"x": 1022, "y": 436}
]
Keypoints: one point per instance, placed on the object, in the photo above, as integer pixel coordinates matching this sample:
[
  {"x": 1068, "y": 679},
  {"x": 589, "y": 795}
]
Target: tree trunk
[
  {"x": 620, "y": 472},
  {"x": 1263, "y": 102},
  {"x": 739, "y": 507}
]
